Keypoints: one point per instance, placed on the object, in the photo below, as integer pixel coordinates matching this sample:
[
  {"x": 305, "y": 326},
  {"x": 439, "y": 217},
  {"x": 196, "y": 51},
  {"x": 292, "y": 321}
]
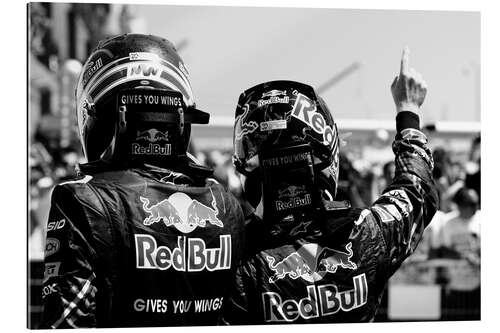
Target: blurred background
[{"x": 350, "y": 56}]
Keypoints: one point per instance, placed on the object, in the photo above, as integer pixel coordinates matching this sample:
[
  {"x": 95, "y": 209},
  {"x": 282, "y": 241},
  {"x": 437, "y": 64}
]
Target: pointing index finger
[{"x": 405, "y": 60}]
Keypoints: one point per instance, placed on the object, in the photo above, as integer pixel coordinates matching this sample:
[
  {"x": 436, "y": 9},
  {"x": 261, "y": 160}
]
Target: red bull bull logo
[
  {"x": 152, "y": 135},
  {"x": 311, "y": 262},
  {"x": 329, "y": 259},
  {"x": 273, "y": 97},
  {"x": 292, "y": 266},
  {"x": 290, "y": 197},
  {"x": 292, "y": 191},
  {"x": 320, "y": 301},
  {"x": 182, "y": 212},
  {"x": 273, "y": 93},
  {"x": 190, "y": 254},
  {"x": 242, "y": 127}
]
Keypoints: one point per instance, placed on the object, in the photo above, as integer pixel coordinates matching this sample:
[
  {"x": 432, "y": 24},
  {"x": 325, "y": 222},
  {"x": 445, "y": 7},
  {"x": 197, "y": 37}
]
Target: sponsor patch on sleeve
[
  {"x": 411, "y": 133},
  {"x": 392, "y": 210},
  {"x": 51, "y": 270},
  {"x": 401, "y": 200},
  {"x": 52, "y": 246},
  {"x": 382, "y": 214}
]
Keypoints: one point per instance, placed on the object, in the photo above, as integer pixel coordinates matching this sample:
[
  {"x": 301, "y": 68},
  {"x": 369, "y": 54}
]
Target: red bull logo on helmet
[
  {"x": 291, "y": 197},
  {"x": 91, "y": 68},
  {"x": 311, "y": 262},
  {"x": 305, "y": 110},
  {"x": 241, "y": 126},
  {"x": 293, "y": 202},
  {"x": 152, "y": 149},
  {"x": 182, "y": 212},
  {"x": 400, "y": 199},
  {"x": 291, "y": 191},
  {"x": 273, "y": 97},
  {"x": 321, "y": 301},
  {"x": 274, "y": 92},
  {"x": 152, "y": 135}
]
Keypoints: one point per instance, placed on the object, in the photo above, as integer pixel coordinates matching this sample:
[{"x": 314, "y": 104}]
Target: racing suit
[
  {"x": 337, "y": 268},
  {"x": 140, "y": 247}
]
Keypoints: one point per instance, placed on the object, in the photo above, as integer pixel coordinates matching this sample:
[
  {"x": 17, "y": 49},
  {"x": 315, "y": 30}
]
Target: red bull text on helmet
[{"x": 305, "y": 110}]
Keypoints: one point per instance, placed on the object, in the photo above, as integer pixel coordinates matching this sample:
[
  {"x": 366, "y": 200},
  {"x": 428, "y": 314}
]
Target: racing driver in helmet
[
  {"x": 310, "y": 259},
  {"x": 144, "y": 237}
]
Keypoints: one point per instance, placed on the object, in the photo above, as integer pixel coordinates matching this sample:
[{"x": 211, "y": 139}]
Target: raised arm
[{"x": 408, "y": 204}]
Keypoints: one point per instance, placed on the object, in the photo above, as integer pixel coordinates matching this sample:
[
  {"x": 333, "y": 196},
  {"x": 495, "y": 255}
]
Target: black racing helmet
[
  {"x": 134, "y": 101},
  {"x": 286, "y": 128}
]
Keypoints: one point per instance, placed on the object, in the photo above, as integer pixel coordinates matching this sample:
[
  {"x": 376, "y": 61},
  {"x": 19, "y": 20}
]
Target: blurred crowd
[{"x": 450, "y": 251}]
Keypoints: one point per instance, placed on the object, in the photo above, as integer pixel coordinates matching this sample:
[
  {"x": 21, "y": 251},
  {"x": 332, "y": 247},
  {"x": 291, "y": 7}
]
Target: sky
[{"x": 229, "y": 49}]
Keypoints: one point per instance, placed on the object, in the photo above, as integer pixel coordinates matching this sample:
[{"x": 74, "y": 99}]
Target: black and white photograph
[{"x": 206, "y": 165}]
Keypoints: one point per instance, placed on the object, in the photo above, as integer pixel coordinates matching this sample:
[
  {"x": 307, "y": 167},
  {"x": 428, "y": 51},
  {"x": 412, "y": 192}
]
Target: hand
[{"x": 408, "y": 88}]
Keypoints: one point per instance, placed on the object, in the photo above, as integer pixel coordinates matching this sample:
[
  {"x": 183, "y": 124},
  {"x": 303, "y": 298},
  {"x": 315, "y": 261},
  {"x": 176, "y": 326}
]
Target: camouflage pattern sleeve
[
  {"x": 408, "y": 204},
  {"x": 69, "y": 286}
]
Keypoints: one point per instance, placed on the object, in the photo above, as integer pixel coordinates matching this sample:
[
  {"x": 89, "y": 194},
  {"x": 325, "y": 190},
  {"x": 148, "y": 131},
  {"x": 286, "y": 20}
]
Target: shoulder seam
[{"x": 84, "y": 180}]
